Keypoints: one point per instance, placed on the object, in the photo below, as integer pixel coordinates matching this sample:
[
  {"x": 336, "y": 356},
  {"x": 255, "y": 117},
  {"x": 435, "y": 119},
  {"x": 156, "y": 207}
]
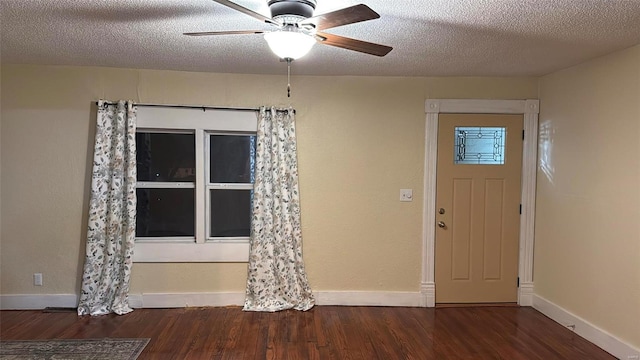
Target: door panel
[
  {"x": 493, "y": 219},
  {"x": 477, "y": 236},
  {"x": 461, "y": 234}
]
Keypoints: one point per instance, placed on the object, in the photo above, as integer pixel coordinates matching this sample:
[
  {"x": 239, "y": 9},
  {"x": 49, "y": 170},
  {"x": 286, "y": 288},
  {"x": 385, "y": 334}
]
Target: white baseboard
[
  {"x": 368, "y": 298},
  {"x": 345, "y": 298},
  {"x": 585, "y": 329},
  {"x": 37, "y": 301},
  {"x": 525, "y": 294},
  {"x": 178, "y": 300},
  {"x": 428, "y": 294}
]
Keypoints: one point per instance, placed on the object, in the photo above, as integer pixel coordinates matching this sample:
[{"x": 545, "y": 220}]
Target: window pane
[
  {"x": 165, "y": 212},
  {"x": 230, "y": 213},
  {"x": 166, "y": 157},
  {"x": 479, "y": 145},
  {"x": 232, "y": 158}
]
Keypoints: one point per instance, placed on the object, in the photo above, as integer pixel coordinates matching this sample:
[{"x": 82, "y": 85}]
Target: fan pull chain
[{"x": 288, "y": 78}]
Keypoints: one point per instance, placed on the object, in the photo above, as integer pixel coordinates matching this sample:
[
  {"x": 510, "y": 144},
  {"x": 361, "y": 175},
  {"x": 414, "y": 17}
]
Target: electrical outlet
[
  {"x": 37, "y": 279},
  {"x": 406, "y": 194},
  {"x": 633, "y": 357}
]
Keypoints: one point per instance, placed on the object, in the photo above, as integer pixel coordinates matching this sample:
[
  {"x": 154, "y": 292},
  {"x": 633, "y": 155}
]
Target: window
[
  {"x": 195, "y": 184},
  {"x": 479, "y": 145}
]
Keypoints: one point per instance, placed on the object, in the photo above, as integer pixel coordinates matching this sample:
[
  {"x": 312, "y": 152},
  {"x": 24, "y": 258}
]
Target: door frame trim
[{"x": 530, "y": 109}]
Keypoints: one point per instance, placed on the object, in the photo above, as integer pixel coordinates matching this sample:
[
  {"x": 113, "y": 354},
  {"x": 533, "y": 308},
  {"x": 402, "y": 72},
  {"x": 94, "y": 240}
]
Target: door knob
[{"x": 442, "y": 224}]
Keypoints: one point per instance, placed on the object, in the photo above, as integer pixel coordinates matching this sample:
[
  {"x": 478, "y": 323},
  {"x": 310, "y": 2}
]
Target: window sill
[{"x": 192, "y": 252}]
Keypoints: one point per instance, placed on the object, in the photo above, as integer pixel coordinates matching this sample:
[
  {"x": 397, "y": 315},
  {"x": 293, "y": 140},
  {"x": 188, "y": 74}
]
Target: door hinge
[
  {"x": 522, "y": 134},
  {"x": 518, "y": 283},
  {"x": 520, "y": 209}
]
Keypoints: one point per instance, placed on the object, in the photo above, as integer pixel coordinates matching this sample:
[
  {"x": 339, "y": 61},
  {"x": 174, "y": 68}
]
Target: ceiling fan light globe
[{"x": 289, "y": 44}]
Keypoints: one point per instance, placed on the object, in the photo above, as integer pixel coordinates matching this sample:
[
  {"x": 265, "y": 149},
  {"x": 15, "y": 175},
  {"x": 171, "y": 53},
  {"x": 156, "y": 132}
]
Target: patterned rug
[{"x": 76, "y": 349}]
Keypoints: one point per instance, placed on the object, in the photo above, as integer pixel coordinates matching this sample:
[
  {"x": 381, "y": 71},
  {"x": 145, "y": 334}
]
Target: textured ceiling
[{"x": 430, "y": 37}]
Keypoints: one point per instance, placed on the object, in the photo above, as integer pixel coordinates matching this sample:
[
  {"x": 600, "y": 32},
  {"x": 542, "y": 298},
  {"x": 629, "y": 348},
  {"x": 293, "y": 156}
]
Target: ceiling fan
[{"x": 297, "y": 30}]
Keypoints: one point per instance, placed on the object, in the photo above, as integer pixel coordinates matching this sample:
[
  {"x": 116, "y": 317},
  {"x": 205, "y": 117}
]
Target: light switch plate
[
  {"x": 37, "y": 279},
  {"x": 406, "y": 194}
]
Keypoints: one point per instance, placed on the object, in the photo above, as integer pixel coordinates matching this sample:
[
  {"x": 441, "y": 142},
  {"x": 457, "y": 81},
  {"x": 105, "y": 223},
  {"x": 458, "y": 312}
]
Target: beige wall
[
  {"x": 587, "y": 245},
  {"x": 0, "y": 170},
  {"x": 360, "y": 140}
]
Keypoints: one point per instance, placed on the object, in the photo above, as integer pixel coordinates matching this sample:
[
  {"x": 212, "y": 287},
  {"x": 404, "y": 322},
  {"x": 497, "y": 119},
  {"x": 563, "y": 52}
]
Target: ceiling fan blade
[
  {"x": 246, "y": 11},
  {"x": 353, "y": 44},
  {"x": 235, "y": 32},
  {"x": 346, "y": 16}
]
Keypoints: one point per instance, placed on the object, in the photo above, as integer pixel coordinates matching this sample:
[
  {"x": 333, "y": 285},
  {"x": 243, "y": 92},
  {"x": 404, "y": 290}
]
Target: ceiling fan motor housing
[{"x": 302, "y": 8}]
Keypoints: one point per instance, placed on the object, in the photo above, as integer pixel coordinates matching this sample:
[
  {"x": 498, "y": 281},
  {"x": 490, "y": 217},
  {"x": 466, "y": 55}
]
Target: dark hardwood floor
[{"x": 325, "y": 332}]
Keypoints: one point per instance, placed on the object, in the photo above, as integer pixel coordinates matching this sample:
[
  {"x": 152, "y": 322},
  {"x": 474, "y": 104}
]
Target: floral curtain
[
  {"x": 112, "y": 213},
  {"x": 276, "y": 277}
]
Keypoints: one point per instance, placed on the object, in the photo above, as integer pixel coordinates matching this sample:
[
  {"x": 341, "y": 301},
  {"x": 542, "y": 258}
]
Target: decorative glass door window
[{"x": 479, "y": 145}]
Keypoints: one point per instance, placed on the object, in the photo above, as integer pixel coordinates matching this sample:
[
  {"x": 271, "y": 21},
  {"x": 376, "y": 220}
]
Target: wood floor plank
[{"x": 324, "y": 332}]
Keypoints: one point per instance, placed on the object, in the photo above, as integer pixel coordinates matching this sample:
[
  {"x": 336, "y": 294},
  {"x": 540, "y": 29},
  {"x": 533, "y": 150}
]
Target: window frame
[{"x": 202, "y": 123}]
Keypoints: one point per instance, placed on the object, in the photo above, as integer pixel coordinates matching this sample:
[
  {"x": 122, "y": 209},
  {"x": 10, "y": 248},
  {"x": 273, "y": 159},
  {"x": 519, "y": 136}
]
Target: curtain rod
[{"x": 203, "y": 107}]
